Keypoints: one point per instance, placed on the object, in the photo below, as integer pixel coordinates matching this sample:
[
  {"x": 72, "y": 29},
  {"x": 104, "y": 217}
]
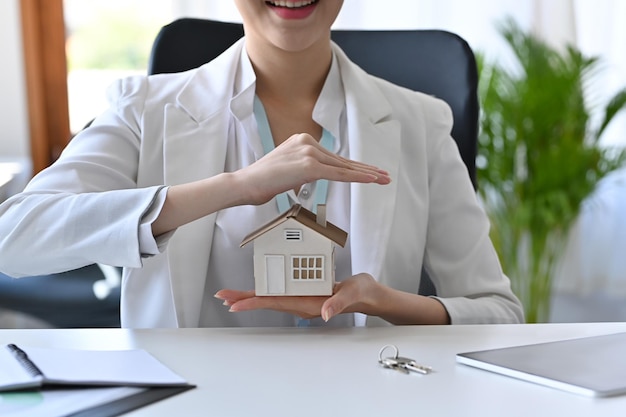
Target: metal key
[
  {"x": 410, "y": 365},
  {"x": 392, "y": 363},
  {"x": 401, "y": 363}
]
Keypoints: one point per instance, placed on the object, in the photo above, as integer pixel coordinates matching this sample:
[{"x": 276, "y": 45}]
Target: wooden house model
[{"x": 294, "y": 253}]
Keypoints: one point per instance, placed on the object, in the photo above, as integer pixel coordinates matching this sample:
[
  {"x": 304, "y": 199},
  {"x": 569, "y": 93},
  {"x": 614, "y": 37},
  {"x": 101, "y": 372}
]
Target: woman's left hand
[{"x": 355, "y": 294}]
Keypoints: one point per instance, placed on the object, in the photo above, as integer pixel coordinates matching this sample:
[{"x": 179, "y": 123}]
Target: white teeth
[{"x": 291, "y": 4}]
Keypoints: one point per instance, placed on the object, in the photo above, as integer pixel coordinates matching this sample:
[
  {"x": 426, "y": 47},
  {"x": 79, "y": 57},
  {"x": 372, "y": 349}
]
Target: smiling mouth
[{"x": 291, "y": 4}]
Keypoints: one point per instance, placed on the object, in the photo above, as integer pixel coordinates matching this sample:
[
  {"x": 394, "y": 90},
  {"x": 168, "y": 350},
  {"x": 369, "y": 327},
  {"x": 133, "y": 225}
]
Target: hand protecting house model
[{"x": 294, "y": 254}]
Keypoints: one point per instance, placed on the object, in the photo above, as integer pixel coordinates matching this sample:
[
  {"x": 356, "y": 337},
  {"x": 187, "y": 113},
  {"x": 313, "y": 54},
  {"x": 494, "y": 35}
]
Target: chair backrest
[{"x": 435, "y": 62}]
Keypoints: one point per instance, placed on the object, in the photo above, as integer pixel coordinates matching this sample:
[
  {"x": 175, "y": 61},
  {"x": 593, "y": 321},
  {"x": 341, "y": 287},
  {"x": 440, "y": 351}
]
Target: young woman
[{"x": 170, "y": 179}]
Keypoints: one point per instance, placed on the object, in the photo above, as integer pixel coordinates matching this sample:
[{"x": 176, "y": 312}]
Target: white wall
[{"x": 14, "y": 143}]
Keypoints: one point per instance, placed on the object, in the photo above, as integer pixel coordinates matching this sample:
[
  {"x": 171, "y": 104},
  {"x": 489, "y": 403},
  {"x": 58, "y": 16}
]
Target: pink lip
[{"x": 294, "y": 13}]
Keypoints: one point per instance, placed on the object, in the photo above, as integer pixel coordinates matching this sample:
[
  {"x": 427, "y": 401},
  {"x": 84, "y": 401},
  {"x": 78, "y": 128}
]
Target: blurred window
[{"x": 107, "y": 40}]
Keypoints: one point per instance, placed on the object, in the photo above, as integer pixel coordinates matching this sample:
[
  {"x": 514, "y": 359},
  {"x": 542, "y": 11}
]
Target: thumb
[
  {"x": 333, "y": 306},
  {"x": 327, "y": 311}
]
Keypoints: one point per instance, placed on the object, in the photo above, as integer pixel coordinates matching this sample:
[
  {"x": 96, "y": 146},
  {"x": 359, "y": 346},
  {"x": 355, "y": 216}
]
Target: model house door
[{"x": 275, "y": 274}]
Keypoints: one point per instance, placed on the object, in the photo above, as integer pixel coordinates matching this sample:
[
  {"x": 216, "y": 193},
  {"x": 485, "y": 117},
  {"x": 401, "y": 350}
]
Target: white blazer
[{"x": 172, "y": 129}]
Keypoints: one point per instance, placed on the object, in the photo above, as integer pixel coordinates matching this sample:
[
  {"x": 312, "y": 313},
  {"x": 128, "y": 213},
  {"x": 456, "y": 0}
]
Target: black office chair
[
  {"x": 431, "y": 61},
  {"x": 64, "y": 300}
]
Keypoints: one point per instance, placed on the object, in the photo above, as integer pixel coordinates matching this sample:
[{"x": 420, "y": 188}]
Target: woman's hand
[
  {"x": 297, "y": 161},
  {"x": 356, "y": 294}
]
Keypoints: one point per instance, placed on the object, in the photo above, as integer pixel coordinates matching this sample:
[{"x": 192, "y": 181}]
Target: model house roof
[{"x": 306, "y": 218}]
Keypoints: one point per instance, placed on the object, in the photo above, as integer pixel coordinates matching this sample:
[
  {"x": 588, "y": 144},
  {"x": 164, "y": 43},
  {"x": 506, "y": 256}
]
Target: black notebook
[{"x": 591, "y": 366}]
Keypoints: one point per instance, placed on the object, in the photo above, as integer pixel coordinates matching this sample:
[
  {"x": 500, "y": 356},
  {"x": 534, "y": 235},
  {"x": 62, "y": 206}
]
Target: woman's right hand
[{"x": 298, "y": 161}]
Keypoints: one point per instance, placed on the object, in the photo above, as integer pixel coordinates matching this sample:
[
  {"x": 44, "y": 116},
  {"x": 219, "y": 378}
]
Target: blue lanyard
[{"x": 321, "y": 187}]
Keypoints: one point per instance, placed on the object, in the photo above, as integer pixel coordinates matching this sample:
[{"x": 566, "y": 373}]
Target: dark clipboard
[{"x": 131, "y": 402}]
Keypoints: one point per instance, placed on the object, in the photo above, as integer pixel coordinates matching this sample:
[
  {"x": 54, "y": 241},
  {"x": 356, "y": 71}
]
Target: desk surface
[{"x": 334, "y": 372}]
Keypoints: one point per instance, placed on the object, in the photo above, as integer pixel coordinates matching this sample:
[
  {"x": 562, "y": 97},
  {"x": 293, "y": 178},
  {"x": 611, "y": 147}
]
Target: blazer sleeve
[
  {"x": 86, "y": 207},
  {"x": 459, "y": 255}
]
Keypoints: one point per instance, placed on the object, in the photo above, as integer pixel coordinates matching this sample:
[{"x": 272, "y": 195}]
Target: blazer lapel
[
  {"x": 374, "y": 138},
  {"x": 195, "y": 139},
  {"x": 192, "y": 152}
]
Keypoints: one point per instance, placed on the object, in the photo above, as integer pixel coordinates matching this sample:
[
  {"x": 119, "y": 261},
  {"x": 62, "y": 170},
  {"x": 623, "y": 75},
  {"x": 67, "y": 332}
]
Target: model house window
[
  {"x": 293, "y": 234},
  {"x": 307, "y": 267}
]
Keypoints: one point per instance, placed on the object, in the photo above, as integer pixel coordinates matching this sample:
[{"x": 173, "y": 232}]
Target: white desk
[{"x": 334, "y": 372}]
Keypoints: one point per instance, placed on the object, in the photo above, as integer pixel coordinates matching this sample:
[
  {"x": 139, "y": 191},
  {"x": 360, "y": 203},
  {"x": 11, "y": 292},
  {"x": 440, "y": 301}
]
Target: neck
[{"x": 284, "y": 76}]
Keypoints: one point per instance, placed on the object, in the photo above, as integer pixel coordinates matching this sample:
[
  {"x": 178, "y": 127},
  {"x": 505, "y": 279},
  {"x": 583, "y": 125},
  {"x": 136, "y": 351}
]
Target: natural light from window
[{"x": 107, "y": 40}]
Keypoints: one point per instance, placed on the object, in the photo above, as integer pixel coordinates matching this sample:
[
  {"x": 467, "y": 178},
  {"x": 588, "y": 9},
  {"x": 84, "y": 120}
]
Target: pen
[{"x": 24, "y": 360}]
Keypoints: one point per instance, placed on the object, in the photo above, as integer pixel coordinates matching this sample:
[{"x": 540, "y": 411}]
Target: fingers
[
  {"x": 335, "y": 304},
  {"x": 324, "y": 164},
  {"x": 300, "y": 160},
  {"x": 330, "y": 158},
  {"x": 336, "y": 168},
  {"x": 355, "y": 294},
  {"x": 303, "y": 307},
  {"x": 232, "y": 296}
]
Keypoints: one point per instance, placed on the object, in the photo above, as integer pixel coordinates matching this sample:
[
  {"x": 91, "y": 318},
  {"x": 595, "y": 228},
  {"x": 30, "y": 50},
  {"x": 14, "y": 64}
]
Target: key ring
[{"x": 384, "y": 348}]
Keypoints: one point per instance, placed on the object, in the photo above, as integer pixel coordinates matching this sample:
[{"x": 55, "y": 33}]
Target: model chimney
[{"x": 321, "y": 215}]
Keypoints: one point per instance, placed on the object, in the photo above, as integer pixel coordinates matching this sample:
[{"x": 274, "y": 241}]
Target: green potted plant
[{"x": 539, "y": 157}]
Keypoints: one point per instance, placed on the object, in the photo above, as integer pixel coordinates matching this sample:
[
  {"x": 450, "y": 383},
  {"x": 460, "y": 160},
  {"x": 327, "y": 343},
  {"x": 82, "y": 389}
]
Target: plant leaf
[{"x": 617, "y": 103}]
